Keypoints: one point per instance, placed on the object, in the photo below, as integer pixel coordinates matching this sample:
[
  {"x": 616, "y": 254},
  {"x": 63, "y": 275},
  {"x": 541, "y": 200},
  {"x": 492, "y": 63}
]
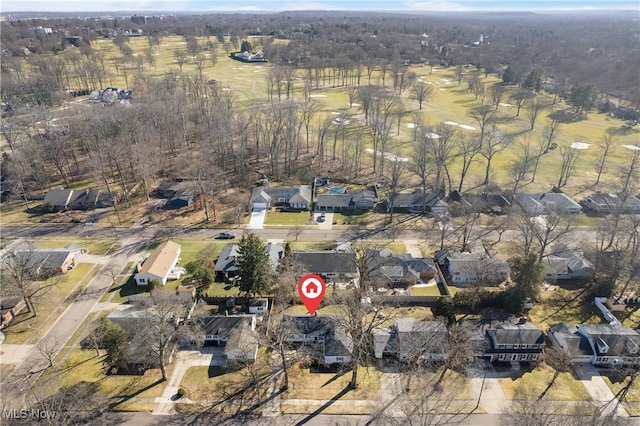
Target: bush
[{"x": 181, "y": 392}]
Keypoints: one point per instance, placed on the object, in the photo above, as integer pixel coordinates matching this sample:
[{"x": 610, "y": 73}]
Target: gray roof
[
  {"x": 511, "y": 334},
  {"x": 416, "y": 199},
  {"x": 576, "y": 342},
  {"x": 59, "y": 197},
  {"x": 326, "y": 261},
  {"x": 294, "y": 194},
  {"x": 43, "y": 259},
  {"x": 333, "y": 200},
  {"x": 621, "y": 339},
  {"x": 386, "y": 266},
  {"x": 565, "y": 261},
  {"x": 476, "y": 263},
  {"x": 329, "y": 327},
  {"x": 413, "y": 338},
  {"x": 607, "y": 203},
  {"x": 548, "y": 201},
  {"x": 227, "y": 260}
]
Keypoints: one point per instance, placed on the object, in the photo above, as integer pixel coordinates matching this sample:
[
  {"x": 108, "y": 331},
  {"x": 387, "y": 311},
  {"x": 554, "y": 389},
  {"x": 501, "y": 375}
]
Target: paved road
[{"x": 60, "y": 332}]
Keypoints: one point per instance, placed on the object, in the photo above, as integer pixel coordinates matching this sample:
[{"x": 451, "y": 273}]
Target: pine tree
[{"x": 253, "y": 266}]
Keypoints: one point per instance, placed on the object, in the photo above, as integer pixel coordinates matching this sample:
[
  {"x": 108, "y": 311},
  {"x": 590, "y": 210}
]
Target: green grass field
[{"x": 532, "y": 383}]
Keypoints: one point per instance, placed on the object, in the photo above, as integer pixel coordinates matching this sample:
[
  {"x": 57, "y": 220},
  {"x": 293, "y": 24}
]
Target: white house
[
  {"x": 259, "y": 306},
  {"x": 158, "y": 266},
  {"x": 612, "y": 344},
  {"x": 565, "y": 337}
]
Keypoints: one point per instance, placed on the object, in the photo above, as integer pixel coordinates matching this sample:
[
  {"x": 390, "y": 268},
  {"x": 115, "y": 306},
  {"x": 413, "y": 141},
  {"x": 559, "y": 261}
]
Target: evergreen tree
[
  {"x": 115, "y": 342},
  {"x": 253, "y": 265},
  {"x": 245, "y": 46},
  {"x": 528, "y": 274}
]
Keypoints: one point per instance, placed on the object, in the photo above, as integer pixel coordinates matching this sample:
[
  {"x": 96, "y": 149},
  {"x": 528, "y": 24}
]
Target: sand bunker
[
  {"x": 433, "y": 135},
  {"x": 442, "y": 89},
  {"x": 317, "y": 96},
  {"x": 580, "y": 145},
  {"x": 388, "y": 156},
  {"x": 466, "y": 127},
  {"x": 411, "y": 125},
  {"x": 355, "y": 104},
  {"x": 634, "y": 147},
  {"x": 451, "y": 123},
  {"x": 504, "y": 104}
]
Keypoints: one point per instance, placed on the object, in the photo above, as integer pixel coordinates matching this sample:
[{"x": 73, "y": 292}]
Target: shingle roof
[
  {"x": 160, "y": 261},
  {"x": 416, "y": 199},
  {"x": 296, "y": 193},
  {"x": 328, "y": 327},
  {"x": 576, "y": 342},
  {"x": 549, "y": 201},
  {"x": 564, "y": 260},
  {"x": 333, "y": 200},
  {"x": 622, "y": 340},
  {"x": 329, "y": 261},
  {"x": 511, "y": 334}
]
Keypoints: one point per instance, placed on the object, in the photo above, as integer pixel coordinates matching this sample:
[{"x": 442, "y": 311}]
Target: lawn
[
  {"x": 313, "y": 245},
  {"x": 425, "y": 291},
  {"x": 287, "y": 218},
  {"x": 50, "y": 304},
  {"x": 356, "y": 218},
  {"x": 122, "y": 287},
  {"x": 617, "y": 382},
  {"x": 83, "y": 365},
  {"x": 532, "y": 383},
  {"x": 98, "y": 246},
  {"x": 563, "y": 305},
  {"x": 305, "y": 384}
]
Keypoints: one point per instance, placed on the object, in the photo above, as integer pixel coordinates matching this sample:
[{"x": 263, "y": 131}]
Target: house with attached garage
[
  {"x": 547, "y": 203},
  {"x": 603, "y": 203},
  {"x": 331, "y": 265},
  {"x": 418, "y": 202},
  {"x": 566, "y": 338},
  {"x": 475, "y": 268},
  {"x": 410, "y": 340},
  {"x": 356, "y": 200},
  {"x": 60, "y": 199},
  {"x": 323, "y": 335},
  {"x": 612, "y": 344},
  {"x": 399, "y": 270},
  {"x": 44, "y": 262},
  {"x": 225, "y": 267},
  {"x": 282, "y": 197},
  {"x": 235, "y": 332},
  {"x": 565, "y": 264},
  {"x": 159, "y": 265},
  {"x": 514, "y": 341}
]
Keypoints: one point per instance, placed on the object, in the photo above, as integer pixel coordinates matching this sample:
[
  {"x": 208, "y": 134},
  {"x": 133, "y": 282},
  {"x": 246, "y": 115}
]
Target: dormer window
[{"x": 603, "y": 348}]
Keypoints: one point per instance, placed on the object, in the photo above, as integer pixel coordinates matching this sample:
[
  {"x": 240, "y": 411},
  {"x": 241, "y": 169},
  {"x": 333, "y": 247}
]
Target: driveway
[
  {"x": 600, "y": 393},
  {"x": 413, "y": 248},
  {"x": 327, "y": 223},
  {"x": 258, "y": 216}
]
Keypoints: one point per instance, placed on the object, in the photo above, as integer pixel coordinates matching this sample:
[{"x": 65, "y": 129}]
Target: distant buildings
[{"x": 39, "y": 31}]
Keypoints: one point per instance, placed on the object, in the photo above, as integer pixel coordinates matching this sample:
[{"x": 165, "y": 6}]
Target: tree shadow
[
  {"x": 326, "y": 405},
  {"x": 126, "y": 398},
  {"x": 334, "y": 378}
]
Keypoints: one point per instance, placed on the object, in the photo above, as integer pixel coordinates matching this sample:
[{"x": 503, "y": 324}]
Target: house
[
  {"x": 226, "y": 268},
  {"x": 61, "y": 199},
  {"x": 356, "y": 200},
  {"x": 324, "y": 334},
  {"x": 45, "y": 262},
  {"x": 485, "y": 203},
  {"x": 235, "y": 332},
  {"x": 331, "y": 265},
  {"x": 473, "y": 268},
  {"x": 511, "y": 341},
  {"x": 259, "y": 306},
  {"x": 546, "y": 203},
  {"x": 416, "y": 201},
  {"x": 179, "y": 193},
  {"x": 565, "y": 263},
  {"x": 283, "y": 197},
  {"x": 566, "y": 338},
  {"x": 612, "y": 344},
  {"x": 411, "y": 340},
  {"x": 186, "y": 293},
  {"x": 602, "y": 203},
  {"x": 132, "y": 321},
  {"x": 399, "y": 270},
  {"x": 159, "y": 265}
]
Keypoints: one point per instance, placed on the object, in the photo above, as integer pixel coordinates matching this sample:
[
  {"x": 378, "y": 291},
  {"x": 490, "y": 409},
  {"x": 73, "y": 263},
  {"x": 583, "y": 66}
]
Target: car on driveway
[{"x": 225, "y": 236}]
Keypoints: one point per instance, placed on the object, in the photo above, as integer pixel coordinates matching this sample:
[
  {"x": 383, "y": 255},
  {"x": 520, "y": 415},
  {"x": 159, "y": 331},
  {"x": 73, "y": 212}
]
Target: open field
[
  {"x": 562, "y": 305},
  {"x": 49, "y": 304},
  {"x": 306, "y": 384},
  {"x": 529, "y": 384}
]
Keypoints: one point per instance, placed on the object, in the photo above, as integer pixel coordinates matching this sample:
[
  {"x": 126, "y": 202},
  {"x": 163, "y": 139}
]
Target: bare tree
[
  {"x": 497, "y": 92},
  {"x": 630, "y": 174},
  {"x": 421, "y": 92},
  {"x": 602, "y": 155},
  {"x": 493, "y": 143},
  {"x": 468, "y": 149},
  {"x": 550, "y": 229},
  {"x": 49, "y": 348},
  {"x": 395, "y": 178},
  {"x": 180, "y": 57},
  {"x": 520, "y": 98},
  {"x": 534, "y": 108},
  {"x": 568, "y": 166}
]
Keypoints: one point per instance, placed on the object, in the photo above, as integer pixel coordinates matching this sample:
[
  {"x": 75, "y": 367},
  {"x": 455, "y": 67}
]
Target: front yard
[
  {"x": 532, "y": 383},
  {"x": 287, "y": 218},
  {"x": 306, "y": 384}
]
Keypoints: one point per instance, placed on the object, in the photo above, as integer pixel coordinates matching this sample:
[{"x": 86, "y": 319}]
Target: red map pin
[{"x": 311, "y": 289}]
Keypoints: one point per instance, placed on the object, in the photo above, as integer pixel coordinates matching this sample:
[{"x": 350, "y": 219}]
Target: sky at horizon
[{"x": 212, "y": 6}]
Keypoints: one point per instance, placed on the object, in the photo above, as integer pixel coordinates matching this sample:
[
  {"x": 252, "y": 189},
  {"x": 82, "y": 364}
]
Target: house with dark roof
[
  {"x": 235, "y": 332},
  {"x": 179, "y": 193},
  {"x": 466, "y": 268},
  {"x": 226, "y": 268},
  {"x": 511, "y": 342},
  {"x": 159, "y": 265},
  {"x": 410, "y": 340},
  {"x": 485, "y": 203},
  {"x": 45, "y": 262},
  {"x": 61, "y": 199},
  {"x": 612, "y": 344},
  {"x": 566, "y": 338},
  {"x": 564, "y": 264},
  {"x": 399, "y": 270},
  {"x": 356, "y": 200},
  {"x": 324, "y": 334},
  {"x": 603, "y": 203},
  {"x": 416, "y": 201},
  {"x": 331, "y": 265},
  {"x": 283, "y": 197},
  {"x": 546, "y": 203}
]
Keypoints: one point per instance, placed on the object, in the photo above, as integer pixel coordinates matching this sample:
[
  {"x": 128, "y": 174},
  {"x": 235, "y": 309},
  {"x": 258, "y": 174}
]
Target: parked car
[{"x": 225, "y": 236}]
